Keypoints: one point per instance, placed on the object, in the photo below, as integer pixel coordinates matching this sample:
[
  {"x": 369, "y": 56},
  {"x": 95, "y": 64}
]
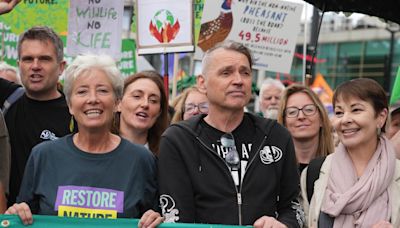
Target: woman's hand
[
  {"x": 23, "y": 211},
  {"x": 383, "y": 224},
  {"x": 268, "y": 222},
  {"x": 150, "y": 219}
]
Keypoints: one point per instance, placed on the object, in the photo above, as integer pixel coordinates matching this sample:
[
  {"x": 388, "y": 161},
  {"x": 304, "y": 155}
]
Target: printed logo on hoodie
[
  {"x": 168, "y": 209},
  {"x": 270, "y": 154}
]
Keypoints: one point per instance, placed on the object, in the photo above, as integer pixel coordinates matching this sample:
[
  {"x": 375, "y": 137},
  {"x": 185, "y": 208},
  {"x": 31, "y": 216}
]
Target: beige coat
[{"x": 313, "y": 208}]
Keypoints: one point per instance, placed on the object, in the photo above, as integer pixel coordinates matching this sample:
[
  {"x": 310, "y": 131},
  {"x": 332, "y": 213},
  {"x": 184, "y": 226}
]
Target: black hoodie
[{"x": 196, "y": 185}]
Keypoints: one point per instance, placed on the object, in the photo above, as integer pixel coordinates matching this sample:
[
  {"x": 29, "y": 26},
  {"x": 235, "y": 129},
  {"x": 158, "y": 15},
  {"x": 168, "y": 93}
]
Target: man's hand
[
  {"x": 268, "y": 222},
  {"x": 7, "y": 5},
  {"x": 23, "y": 211},
  {"x": 150, "y": 219}
]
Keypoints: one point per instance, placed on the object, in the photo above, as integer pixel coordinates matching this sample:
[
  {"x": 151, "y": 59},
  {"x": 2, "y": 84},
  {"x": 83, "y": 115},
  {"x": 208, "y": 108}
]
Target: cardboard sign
[
  {"x": 267, "y": 27},
  {"x": 95, "y": 26},
  {"x": 163, "y": 27}
]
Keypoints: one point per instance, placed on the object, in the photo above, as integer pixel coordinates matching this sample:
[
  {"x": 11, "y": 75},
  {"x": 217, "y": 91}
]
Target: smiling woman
[
  {"x": 93, "y": 164},
  {"x": 304, "y": 115},
  {"x": 360, "y": 182}
]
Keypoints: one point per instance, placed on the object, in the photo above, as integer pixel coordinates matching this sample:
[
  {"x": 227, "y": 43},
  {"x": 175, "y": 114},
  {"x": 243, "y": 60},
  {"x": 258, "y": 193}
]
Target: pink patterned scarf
[{"x": 360, "y": 202}]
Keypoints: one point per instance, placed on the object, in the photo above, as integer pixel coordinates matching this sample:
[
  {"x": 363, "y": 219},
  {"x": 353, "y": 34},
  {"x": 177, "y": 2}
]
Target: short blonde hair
[{"x": 84, "y": 63}]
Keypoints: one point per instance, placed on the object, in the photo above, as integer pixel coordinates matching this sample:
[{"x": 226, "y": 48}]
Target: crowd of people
[{"x": 107, "y": 148}]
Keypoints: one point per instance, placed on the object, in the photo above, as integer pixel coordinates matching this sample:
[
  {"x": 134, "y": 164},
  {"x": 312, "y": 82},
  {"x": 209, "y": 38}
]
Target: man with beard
[{"x": 270, "y": 96}]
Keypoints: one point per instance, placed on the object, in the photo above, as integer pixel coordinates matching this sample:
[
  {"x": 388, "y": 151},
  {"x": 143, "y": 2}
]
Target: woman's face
[
  {"x": 195, "y": 103},
  {"x": 302, "y": 126},
  {"x": 140, "y": 105},
  {"x": 356, "y": 123},
  {"x": 92, "y": 101}
]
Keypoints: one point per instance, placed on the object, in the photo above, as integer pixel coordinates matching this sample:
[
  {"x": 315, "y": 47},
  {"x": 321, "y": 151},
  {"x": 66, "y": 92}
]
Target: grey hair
[
  {"x": 84, "y": 63},
  {"x": 270, "y": 82},
  {"x": 227, "y": 45},
  {"x": 43, "y": 33},
  {"x": 6, "y": 67}
]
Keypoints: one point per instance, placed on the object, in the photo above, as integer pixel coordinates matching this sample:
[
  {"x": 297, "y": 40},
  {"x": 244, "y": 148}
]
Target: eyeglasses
[
  {"x": 308, "y": 110},
  {"x": 232, "y": 157},
  {"x": 190, "y": 108}
]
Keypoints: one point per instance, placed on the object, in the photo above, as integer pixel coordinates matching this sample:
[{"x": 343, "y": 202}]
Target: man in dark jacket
[
  {"x": 41, "y": 113},
  {"x": 229, "y": 167}
]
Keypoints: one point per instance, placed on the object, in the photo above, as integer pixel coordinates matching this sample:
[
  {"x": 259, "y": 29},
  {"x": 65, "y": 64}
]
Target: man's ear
[
  {"x": 201, "y": 83},
  {"x": 63, "y": 63}
]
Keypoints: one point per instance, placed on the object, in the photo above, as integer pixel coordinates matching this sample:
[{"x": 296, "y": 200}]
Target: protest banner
[
  {"x": 163, "y": 27},
  {"x": 13, "y": 221},
  {"x": 95, "y": 26},
  {"x": 268, "y": 27}
]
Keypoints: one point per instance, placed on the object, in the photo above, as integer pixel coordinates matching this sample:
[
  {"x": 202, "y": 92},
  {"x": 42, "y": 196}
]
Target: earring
[
  {"x": 378, "y": 131},
  {"x": 71, "y": 124}
]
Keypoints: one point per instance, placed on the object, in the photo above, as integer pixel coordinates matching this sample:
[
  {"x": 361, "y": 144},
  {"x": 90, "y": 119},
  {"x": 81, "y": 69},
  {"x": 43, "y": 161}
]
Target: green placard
[
  {"x": 8, "y": 45},
  {"x": 13, "y": 221},
  {"x": 28, "y": 13},
  {"x": 395, "y": 97},
  {"x": 198, "y": 12},
  {"x": 127, "y": 64}
]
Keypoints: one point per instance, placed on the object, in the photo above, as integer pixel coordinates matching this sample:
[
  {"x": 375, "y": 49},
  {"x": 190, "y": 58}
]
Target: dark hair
[
  {"x": 365, "y": 89},
  {"x": 43, "y": 33},
  {"x": 154, "y": 134}
]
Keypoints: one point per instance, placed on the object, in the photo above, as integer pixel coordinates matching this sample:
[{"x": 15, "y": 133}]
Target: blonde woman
[
  {"x": 190, "y": 103},
  {"x": 304, "y": 115}
]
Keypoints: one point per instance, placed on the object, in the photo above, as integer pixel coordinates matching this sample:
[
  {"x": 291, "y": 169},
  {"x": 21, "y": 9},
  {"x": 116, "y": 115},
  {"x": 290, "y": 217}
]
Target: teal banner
[{"x": 63, "y": 222}]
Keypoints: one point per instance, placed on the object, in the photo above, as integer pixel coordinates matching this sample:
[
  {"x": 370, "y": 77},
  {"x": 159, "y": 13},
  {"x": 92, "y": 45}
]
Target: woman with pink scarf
[{"x": 359, "y": 184}]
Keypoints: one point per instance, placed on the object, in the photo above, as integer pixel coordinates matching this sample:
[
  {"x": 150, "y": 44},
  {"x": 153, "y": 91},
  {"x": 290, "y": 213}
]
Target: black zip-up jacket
[{"x": 196, "y": 185}]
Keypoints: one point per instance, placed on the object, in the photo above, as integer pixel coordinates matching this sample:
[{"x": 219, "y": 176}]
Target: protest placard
[
  {"x": 163, "y": 27},
  {"x": 95, "y": 26},
  {"x": 268, "y": 27}
]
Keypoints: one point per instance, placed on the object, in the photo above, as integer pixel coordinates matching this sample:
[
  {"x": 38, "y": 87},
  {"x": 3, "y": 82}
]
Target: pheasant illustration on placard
[{"x": 217, "y": 30}]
